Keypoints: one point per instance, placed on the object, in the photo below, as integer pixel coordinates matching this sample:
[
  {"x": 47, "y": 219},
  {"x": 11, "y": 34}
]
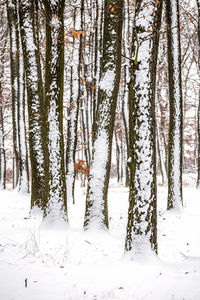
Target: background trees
[{"x": 77, "y": 102}]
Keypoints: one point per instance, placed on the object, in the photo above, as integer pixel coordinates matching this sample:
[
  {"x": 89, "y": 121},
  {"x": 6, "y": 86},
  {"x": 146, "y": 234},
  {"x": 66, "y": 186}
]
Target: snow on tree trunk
[
  {"x": 2, "y": 145},
  {"x": 14, "y": 63},
  {"x": 73, "y": 108},
  {"x": 198, "y": 116},
  {"x": 96, "y": 214},
  {"x": 2, "y": 108},
  {"x": 142, "y": 216},
  {"x": 176, "y": 115},
  {"x": 56, "y": 207},
  {"x": 98, "y": 52},
  {"x": 35, "y": 103},
  {"x": 125, "y": 111},
  {"x": 23, "y": 184}
]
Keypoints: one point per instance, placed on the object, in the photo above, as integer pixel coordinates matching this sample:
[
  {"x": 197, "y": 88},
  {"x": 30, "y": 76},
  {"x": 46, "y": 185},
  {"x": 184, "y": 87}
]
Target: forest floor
[{"x": 38, "y": 263}]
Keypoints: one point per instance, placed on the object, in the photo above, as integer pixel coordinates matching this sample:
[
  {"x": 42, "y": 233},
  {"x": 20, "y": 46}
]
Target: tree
[
  {"x": 142, "y": 216},
  {"x": 96, "y": 213},
  {"x": 14, "y": 65},
  {"x": 198, "y": 171},
  {"x": 21, "y": 176},
  {"x": 23, "y": 184},
  {"x": 35, "y": 103},
  {"x": 4, "y": 42},
  {"x": 176, "y": 109},
  {"x": 74, "y": 104},
  {"x": 56, "y": 205}
]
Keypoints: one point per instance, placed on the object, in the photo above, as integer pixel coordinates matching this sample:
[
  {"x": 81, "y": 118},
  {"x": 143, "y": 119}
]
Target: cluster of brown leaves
[{"x": 81, "y": 166}]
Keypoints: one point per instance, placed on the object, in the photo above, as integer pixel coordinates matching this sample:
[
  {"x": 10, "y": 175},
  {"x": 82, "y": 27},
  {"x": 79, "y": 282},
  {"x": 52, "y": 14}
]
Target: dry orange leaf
[
  {"x": 82, "y": 32},
  {"x": 74, "y": 33}
]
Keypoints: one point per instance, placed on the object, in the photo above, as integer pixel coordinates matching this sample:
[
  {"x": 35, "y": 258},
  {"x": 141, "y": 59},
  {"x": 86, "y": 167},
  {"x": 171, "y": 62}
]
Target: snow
[
  {"x": 70, "y": 264},
  {"x": 107, "y": 82},
  {"x": 96, "y": 181}
]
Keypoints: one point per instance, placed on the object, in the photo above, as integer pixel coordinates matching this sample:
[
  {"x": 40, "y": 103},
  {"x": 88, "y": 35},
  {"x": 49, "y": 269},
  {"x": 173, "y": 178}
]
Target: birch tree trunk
[
  {"x": 35, "y": 103},
  {"x": 141, "y": 234},
  {"x": 56, "y": 206},
  {"x": 175, "y": 100},
  {"x": 96, "y": 214}
]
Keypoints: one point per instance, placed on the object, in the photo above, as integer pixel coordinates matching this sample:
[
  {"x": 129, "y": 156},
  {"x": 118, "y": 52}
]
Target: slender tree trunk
[
  {"x": 14, "y": 63},
  {"x": 2, "y": 145},
  {"x": 98, "y": 52},
  {"x": 35, "y": 103},
  {"x": 56, "y": 206},
  {"x": 142, "y": 216},
  {"x": 23, "y": 184},
  {"x": 125, "y": 108},
  {"x": 198, "y": 113},
  {"x": 73, "y": 108},
  {"x": 176, "y": 115},
  {"x": 2, "y": 107},
  {"x": 96, "y": 214}
]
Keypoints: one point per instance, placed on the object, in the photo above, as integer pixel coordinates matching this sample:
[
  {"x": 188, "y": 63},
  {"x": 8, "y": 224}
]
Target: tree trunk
[
  {"x": 198, "y": 113},
  {"x": 2, "y": 145},
  {"x": 2, "y": 107},
  {"x": 142, "y": 216},
  {"x": 14, "y": 67},
  {"x": 23, "y": 184},
  {"x": 35, "y": 104},
  {"x": 56, "y": 206},
  {"x": 96, "y": 213},
  {"x": 175, "y": 101},
  {"x": 73, "y": 108}
]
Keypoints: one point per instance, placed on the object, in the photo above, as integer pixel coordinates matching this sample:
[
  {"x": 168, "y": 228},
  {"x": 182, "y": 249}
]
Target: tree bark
[
  {"x": 56, "y": 206},
  {"x": 176, "y": 107},
  {"x": 14, "y": 66},
  {"x": 73, "y": 106},
  {"x": 198, "y": 113},
  {"x": 35, "y": 103},
  {"x": 96, "y": 214},
  {"x": 141, "y": 234}
]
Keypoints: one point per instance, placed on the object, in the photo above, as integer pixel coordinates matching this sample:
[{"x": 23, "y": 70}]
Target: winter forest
[{"x": 99, "y": 149}]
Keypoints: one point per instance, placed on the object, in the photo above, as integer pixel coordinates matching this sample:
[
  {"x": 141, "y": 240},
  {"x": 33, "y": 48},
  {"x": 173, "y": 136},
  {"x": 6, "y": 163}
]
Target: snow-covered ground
[{"x": 38, "y": 263}]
